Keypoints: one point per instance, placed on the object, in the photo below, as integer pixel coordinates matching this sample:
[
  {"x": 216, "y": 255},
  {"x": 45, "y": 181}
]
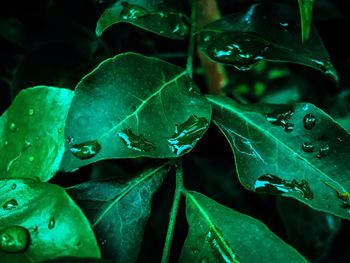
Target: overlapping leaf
[
  {"x": 220, "y": 234},
  {"x": 118, "y": 212},
  {"x": 147, "y": 15},
  {"x": 32, "y": 133},
  {"x": 132, "y": 106},
  {"x": 54, "y": 224},
  {"x": 305, "y": 9},
  {"x": 297, "y": 151},
  {"x": 263, "y": 32}
]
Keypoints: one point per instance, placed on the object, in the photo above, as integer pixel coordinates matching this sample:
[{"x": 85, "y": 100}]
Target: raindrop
[
  {"x": 14, "y": 239},
  {"x": 305, "y": 107},
  {"x": 136, "y": 142},
  {"x": 31, "y": 112},
  {"x": 323, "y": 151},
  {"x": 31, "y": 159},
  {"x": 52, "y": 223},
  {"x": 327, "y": 68},
  {"x": 14, "y": 186},
  {"x": 85, "y": 150},
  {"x": 272, "y": 184},
  {"x": 308, "y": 147},
  {"x": 179, "y": 25},
  {"x": 6, "y": 143},
  {"x": 10, "y": 205},
  {"x": 309, "y": 121},
  {"x": 281, "y": 118},
  {"x": 12, "y": 127},
  {"x": 288, "y": 127},
  {"x": 204, "y": 260},
  {"x": 220, "y": 247},
  {"x": 131, "y": 11},
  {"x": 187, "y": 134},
  {"x": 70, "y": 140},
  {"x": 206, "y": 37},
  {"x": 195, "y": 251}
]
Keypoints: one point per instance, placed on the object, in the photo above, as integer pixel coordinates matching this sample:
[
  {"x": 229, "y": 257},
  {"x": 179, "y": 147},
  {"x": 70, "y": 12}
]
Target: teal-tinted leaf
[
  {"x": 305, "y": 9},
  {"x": 55, "y": 224},
  {"x": 297, "y": 151},
  {"x": 220, "y": 234},
  {"x": 78, "y": 260},
  {"x": 310, "y": 231},
  {"x": 145, "y": 15},
  {"x": 118, "y": 212},
  {"x": 32, "y": 133},
  {"x": 263, "y": 32},
  {"x": 132, "y": 106}
]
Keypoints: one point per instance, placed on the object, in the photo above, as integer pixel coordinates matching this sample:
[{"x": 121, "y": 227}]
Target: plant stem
[
  {"x": 173, "y": 213},
  {"x": 189, "y": 66}
]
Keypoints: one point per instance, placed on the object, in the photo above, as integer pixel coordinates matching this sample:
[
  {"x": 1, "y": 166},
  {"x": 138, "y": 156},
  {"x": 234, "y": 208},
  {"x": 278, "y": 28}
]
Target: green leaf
[
  {"x": 292, "y": 150},
  {"x": 220, "y": 234},
  {"x": 147, "y": 16},
  {"x": 31, "y": 133},
  {"x": 118, "y": 212},
  {"x": 305, "y": 9},
  {"x": 132, "y": 106},
  {"x": 55, "y": 224},
  {"x": 263, "y": 32}
]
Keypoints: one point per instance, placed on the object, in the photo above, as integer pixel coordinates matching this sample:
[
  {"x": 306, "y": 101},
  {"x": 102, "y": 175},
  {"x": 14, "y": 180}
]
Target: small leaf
[
  {"x": 146, "y": 16},
  {"x": 55, "y": 224},
  {"x": 118, "y": 212},
  {"x": 292, "y": 150},
  {"x": 220, "y": 234},
  {"x": 133, "y": 106},
  {"x": 32, "y": 133},
  {"x": 305, "y": 9},
  {"x": 263, "y": 32}
]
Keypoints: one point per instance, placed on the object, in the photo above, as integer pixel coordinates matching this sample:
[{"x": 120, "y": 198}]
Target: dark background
[{"x": 53, "y": 43}]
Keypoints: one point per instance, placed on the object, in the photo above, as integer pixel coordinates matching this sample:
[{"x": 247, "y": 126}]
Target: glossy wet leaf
[
  {"x": 220, "y": 234},
  {"x": 146, "y": 15},
  {"x": 119, "y": 211},
  {"x": 305, "y": 9},
  {"x": 269, "y": 140},
  {"x": 311, "y": 232},
  {"x": 55, "y": 224},
  {"x": 127, "y": 108},
  {"x": 263, "y": 32},
  {"x": 32, "y": 133}
]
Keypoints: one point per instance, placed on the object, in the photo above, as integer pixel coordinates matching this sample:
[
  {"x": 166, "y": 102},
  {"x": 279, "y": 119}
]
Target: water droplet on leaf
[
  {"x": 272, "y": 184},
  {"x": 136, "y": 142},
  {"x": 31, "y": 112},
  {"x": 85, "y": 150},
  {"x": 323, "y": 151},
  {"x": 195, "y": 251},
  {"x": 187, "y": 134},
  {"x": 204, "y": 260},
  {"x": 31, "y": 159},
  {"x": 52, "y": 223},
  {"x": 219, "y": 246},
  {"x": 14, "y": 239},
  {"x": 14, "y": 186},
  {"x": 179, "y": 25},
  {"x": 309, "y": 121},
  {"x": 308, "y": 147},
  {"x": 131, "y": 11},
  {"x": 281, "y": 118},
  {"x": 9, "y": 205},
  {"x": 12, "y": 127},
  {"x": 70, "y": 140}
]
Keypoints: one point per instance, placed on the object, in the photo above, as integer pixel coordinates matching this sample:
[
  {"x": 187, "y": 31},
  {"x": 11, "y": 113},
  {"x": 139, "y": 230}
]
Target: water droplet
[
  {"x": 131, "y": 11},
  {"x": 35, "y": 229},
  {"x": 195, "y": 251},
  {"x": 14, "y": 239},
  {"x": 179, "y": 25},
  {"x": 306, "y": 107},
  {"x": 327, "y": 68},
  {"x": 309, "y": 121},
  {"x": 85, "y": 150},
  {"x": 59, "y": 130},
  {"x": 27, "y": 143},
  {"x": 343, "y": 196},
  {"x": 70, "y": 140},
  {"x": 274, "y": 185},
  {"x": 339, "y": 139},
  {"x": 136, "y": 142},
  {"x": 52, "y": 223},
  {"x": 206, "y": 37},
  {"x": 308, "y": 147},
  {"x": 6, "y": 143},
  {"x": 323, "y": 151},
  {"x": 204, "y": 260},
  {"x": 14, "y": 186},
  {"x": 220, "y": 247},
  {"x": 281, "y": 118},
  {"x": 10, "y": 205},
  {"x": 12, "y": 127},
  {"x": 31, "y": 159},
  {"x": 31, "y": 112},
  {"x": 187, "y": 134}
]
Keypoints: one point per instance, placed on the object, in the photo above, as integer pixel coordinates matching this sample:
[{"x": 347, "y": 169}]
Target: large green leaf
[
  {"x": 132, "y": 106},
  {"x": 297, "y": 151},
  {"x": 147, "y": 15},
  {"x": 55, "y": 224},
  {"x": 263, "y": 32},
  {"x": 305, "y": 9},
  {"x": 220, "y": 234},
  {"x": 118, "y": 212},
  {"x": 32, "y": 133}
]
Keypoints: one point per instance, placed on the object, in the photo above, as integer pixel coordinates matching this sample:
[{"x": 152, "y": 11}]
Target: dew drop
[
  {"x": 219, "y": 246},
  {"x": 85, "y": 150},
  {"x": 289, "y": 127},
  {"x": 10, "y": 205},
  {"x": 31, "y": 112},
  {"x": 323, "y": 151},
  {"x": 309, "y": 121},
  {"x": 187, "y": 134},
  {"x": 14, "y": 186},
  {"x": 31, "y": 159},
  {"x": 14, "y": 239},
  {"x": 52, "y": 223},
  {"x": 195, "y": 251},
  {"x": 70, "y": 140},
  {"x": 131, "y": 11},
  {"x": 136, "y": 142},
  {"x": 281, "y": 118},
  {"x": 6, "y": 143},
  {"x": 308, "y": 147},
  {"x": 204, "y": 260},
  {"x": 179, "y": 25},
  {"x": 12, "y": 127}
]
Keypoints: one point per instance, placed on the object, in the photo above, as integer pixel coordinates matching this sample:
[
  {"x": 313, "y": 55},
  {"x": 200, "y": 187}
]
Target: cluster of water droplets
[
  {"x": 135, "y": 142},
  {"x": 14, "y": 239},
  {"x": 85, "y": 150}
]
